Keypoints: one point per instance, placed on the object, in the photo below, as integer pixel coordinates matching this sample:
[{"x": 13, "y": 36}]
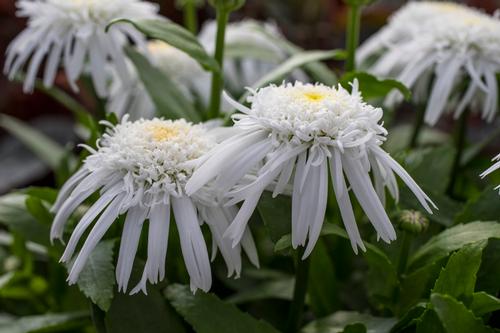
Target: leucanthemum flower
[
  {"x": 139, "y": 170},
  {"x": 493, "y": 168},
  {"x": 243, "y": 70},
  {"x": 447, "y": 50},
  {"x": 72, "y": 32},
  {"x": 296, "y": 133},
  {"x": 132, "y": 98}
]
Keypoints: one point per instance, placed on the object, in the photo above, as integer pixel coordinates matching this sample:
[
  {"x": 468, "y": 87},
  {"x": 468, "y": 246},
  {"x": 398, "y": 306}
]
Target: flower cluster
[{"x": 436, "y": 47}]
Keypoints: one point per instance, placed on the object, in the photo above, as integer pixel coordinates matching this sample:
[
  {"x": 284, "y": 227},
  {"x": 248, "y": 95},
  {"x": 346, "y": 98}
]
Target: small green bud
[
  {"x": 227, "y": 5},
  {"x": 413, "y": 221},
  {"x": 38, "y": 285}
]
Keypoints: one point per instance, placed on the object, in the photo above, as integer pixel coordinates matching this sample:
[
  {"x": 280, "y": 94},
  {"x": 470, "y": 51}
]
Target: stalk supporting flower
[
  {"x": 352, "y": 35},
  {"x": 418, "y": 125},
  {"x": 446, "y": 52},
  {"x": 299, "y": 292},
  {"x": 190, "y": 15},
  {"x": 289, "y": 140},
  {"x": 73, "y": 33},
  {"x": 460, "y": 141},
  {"x": 139, "y": 170}
]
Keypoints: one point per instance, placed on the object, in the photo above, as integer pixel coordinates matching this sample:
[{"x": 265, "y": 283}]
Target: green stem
[
  {"x": 299, "y": 293},
  {"x": 97, "y": 318},
  {"x": 217, "y": 78},
  {"x": 404, "y": 252},
  {"x": 417, "y": 127},
  {"x": 352, "y": 36},
  {"x": 460, "y": 139},
  {"x": 190, "y": 18}
]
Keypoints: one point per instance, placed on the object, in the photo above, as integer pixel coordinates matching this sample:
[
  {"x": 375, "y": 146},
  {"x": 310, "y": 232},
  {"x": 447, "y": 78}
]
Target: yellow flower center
[
  {"x": 163, "y": 132},
  {"x": 314, "y": 96}
]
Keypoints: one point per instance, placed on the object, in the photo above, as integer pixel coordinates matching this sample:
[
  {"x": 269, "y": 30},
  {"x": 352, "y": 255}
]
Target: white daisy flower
[
  {"x": 493, "y": 168},
  {"x": 183, "y": 70},
  {"x": 73, "y": 32},
  {"x": 243, "y": 70},
  {"x": 299, "y": 132},
  {"x": 448, "y": 50},
  {"x": 140, "y": 170}
]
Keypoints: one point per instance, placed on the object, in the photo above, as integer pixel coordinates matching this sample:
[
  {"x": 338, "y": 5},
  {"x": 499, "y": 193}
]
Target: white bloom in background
[
  {"x": 183, "y": 70},
  {"x": 449, "y": 51},
  {"x": 493, "y": 168},
  {"x": 72, "y": 32},
  {"x": 251, "y": 51},
  {"x": 295, "y": 133},
  {"x": 140, "y": 170}
]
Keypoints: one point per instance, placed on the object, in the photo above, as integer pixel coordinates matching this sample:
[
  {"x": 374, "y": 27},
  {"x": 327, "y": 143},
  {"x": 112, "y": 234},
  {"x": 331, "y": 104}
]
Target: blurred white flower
[
  {"x": 251, "y": 51},
  {"x": 447, "y": 50},
  {"x": 140, "y": 170},
  {"x": 299, "y": 132},
  {"x": 493, "y": 168},
  {"x": 132, "y": 98},
  {"x": 73, "y": 32}
]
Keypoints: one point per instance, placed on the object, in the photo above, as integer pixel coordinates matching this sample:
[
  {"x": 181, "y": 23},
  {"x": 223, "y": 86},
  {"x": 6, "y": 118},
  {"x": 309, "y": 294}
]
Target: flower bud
[
  {"x": 227, "y": 5},
  {"x": 413, "y": 221}
]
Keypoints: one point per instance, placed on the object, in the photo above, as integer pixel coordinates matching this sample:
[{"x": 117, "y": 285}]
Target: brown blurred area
[{"x": 312, "y": 24}]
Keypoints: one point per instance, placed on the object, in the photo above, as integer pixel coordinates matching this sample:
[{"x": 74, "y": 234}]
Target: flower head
[
  {"x": 183, "y": 70},
  {"x": 140, "y": 169},
  {"x": 493, "y": 168},
  {"x": 293, "y": 134},
  {"x": 435, "y": 47},
  {"x": 73, "y": 32}
]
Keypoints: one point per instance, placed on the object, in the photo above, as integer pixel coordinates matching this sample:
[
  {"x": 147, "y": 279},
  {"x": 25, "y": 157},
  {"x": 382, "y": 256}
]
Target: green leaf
[
  {"x": 49, "y": 151},
  {"x": 483, "y": 303},
  {"x": 278, "y": 289},
  {"x": 453, "y": 239},
  {"x": 372, "y": 87},
  {"x": 57, "y": 322},
  {"x": 464, "y": 264},
  {"x": 39, "y": 210},
  {"x": 410, "y": 318},
  {"x": 430, "y": 323},
  {"x": 247, "y": 49},
  {"x": 208, "y": 314},
  {"x": 168, "y": 99},
  {"x": 97, "y": 278},
  {"x": 338, "y": 321},
  {"x": 276, "y": 214},
  {"x": 15, "y": 216},
  {"x": 355, "y": 328},
  {"x": 455, "y": 317},
  {"x": 142, "y": 314},
  {"x": 487, "y": 277},
  {"x": 485, "y": 208},
  {"x": 176, "y": 36},
  {"x": 322, "y": 287},
  {"x": 474, "y": 150}
]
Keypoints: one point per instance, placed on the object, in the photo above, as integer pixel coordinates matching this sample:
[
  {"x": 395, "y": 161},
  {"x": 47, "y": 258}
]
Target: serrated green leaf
[
  {"x": 47, "y": 150},
  {"x": 483, "y": 303},
  {"x": 455, "y": 317},
  {"x": 168, "y": 99},
  {"x": 97, "y": 278},
  {"x": 338, "y": 321},
  {"x": 429, "y": 322},
  {"x": 485, "y": 208},
  {"x": 208, "y": 314},
  {"x": 372, "y": 87},
  {"x": 453, "y": 239},
  {"x": 410, "y": 318},
  {"x": 175, "y": 35},
  {"x": 57, "y": 322},
  {"x": 487, "y": 277},
  {"x": 464, "y": 264}
]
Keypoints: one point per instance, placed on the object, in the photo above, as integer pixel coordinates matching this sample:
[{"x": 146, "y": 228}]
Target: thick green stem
[
  {"x": 352, "y": 36},
  {"x": 190, "y": 18},
  {"x": 299, "y": 293},
  {"x": 460, "y": 140},
  {"x": 218, "y": 78},
  {"x": 404, "y": 252},
  {"x": 97, "y": 318},
  {"x": 417, "y": 126}
]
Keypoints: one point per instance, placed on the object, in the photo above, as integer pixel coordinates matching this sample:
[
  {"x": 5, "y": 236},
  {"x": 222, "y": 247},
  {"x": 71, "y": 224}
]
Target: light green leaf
[
  {"x": 278, "y": 289},
  {"x": 44, "y": 147},
  {"x": 455, "y": 317},
  {"x": 338, "y": 321},
  {"x": 464, "y": 264},
  {"x": 483, "y": 303},
  {"x": 247, "y": 49},
  {"x": 208, "y": 314},
  {"x": 57, "y": 322},
  {"x": 372, "y": 87},
  {"x": 168, "y": 99},
  {"x": 175, "y": 35},
  {"x": 453, "y": 239},
  {"x": 97, "y": 278}
]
